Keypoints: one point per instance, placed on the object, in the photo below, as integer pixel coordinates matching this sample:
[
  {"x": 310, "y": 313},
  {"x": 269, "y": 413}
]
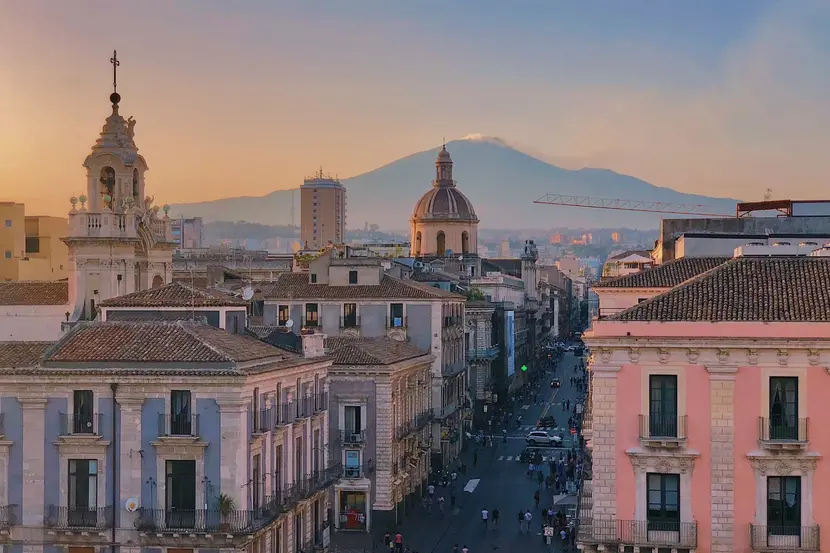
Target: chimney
[{"x": 313, "y": 343}]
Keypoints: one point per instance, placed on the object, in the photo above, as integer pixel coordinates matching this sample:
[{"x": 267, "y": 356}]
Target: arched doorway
[
  {"x": 158, "y": 281},
  {"x": 465, "y": 243},
  {"x": 440, "y": 244},
  {"x": 418, "y": 243}
]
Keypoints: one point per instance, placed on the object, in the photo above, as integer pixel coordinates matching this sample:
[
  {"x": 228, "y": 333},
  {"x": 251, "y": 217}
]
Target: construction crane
[{"x": 635, "y": 205}]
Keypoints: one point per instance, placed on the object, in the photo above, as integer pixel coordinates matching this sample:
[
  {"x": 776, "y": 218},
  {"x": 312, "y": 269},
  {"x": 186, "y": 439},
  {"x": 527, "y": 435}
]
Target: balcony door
[
  {"x": 83, "y": 493},
  {"x": 784, "y": 506},
  {"x": 663, "y": 502},
  {"x": 82, "y": 401},
  {"x": 352, "y": 423},
  {"x": 180, "y": 413},
  {"x": 663, "y": 405},
  {"x": 783, "y": 408},
  {"x": 180, "y": 487}
]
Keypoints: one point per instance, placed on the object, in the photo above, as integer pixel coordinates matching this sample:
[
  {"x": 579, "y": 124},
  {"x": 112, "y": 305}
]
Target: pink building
[{"x": 706, "y": 408}]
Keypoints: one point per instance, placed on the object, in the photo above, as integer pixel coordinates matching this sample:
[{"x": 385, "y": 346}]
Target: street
[{"x": 499, "y": 481}]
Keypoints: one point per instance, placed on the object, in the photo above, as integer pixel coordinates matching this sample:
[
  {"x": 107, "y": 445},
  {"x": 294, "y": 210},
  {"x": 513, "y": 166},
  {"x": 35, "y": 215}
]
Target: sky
[{"x": 243, "y": 98}]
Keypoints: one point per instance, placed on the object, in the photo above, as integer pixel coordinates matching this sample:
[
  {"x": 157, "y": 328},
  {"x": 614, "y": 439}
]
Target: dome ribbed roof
[{"x": 444, "y": 203}]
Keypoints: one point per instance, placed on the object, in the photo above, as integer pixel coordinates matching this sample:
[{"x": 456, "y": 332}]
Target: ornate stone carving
[
  {"x": 783, "y": 357},
  {"x": 692, "y": 354},
  {"x": 663, "y": 355},
  {"x": 662, "y": 466},
  {"x": 604, "y": 354},
  {"x": 752, "y": 356},
  {"x": 634, "y": 355},
  {"x": 723, "y": 356},
  {"x": 813, "y": 356},
  {"x": 677, "y": 463},
  {"x": 776, "y": 465}
]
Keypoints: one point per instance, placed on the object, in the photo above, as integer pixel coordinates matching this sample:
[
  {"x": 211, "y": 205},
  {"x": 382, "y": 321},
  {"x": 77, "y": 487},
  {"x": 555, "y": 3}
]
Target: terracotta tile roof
[
  {"x": 623, "y": 255},
  {"x": 175, "y": 294},
  {"x": 667, "y": 275},
  {"x": 22, "y": 354},
  {"x": 763, "y": 289},
  {"x": 297, "y": 286},
  {"x": 34, "y": 292},
  {"x": 370, "y": 351},
  {"x": 433, "y": 276},
  {"x": 158, "y": 342}
]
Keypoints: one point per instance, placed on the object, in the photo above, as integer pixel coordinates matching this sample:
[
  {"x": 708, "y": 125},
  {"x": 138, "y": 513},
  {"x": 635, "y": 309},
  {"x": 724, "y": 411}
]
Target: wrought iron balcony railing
[
  {"x": 85, "y": 424},
  {"x": 483, "y": 353},
  {"x": 184, "y": 425},
  {"x": 352, "y": 437},
  {"x": 9, "y": 516},
  {"x": 783, "y": 430},
  {"x": 638, "y": 533},
  {"x": 196, "y": 521},
  {"x": 666, "y": 428},
  {"x": 350, "y": 322},
  {"x": 784, "y": 538},
  {"x": 77, "y": 518}
]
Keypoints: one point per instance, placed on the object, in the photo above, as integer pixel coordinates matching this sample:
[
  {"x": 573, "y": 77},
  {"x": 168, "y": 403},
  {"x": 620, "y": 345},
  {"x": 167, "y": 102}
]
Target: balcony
[
  {"x": 9, "y": 516},
  {"x": 295, "y": 410},
  {"x": 355, "y": 472},
  {"x": 178, "y": 426},
  {"x": 778, "y": 433},
  {"x": 80, "y": 424},
  {"x": 350, "y": 322},
  {"x": 70, "y": 519},
  {"x": 483, "y": 354},
  {"x": 196, "y": 521},
  {"x": 638, "y": 533},
  {"x": 320, "y": 402},
  {"x": 784, "y": 538},
  {"x": 352, "y": 437},
  {"x": 419, "y": 422},
  {"x": 665, "y": 431},
  {"x": 453, "y": 369},
  {"x": 404, "y": 429},
  {"x": 318, "y": 481}
]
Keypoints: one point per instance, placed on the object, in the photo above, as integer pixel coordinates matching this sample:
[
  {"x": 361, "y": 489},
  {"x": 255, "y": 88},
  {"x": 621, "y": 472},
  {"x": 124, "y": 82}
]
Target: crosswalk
[
  {"x": 530, "y": 427},
  {"x": 518, "y": 458}
]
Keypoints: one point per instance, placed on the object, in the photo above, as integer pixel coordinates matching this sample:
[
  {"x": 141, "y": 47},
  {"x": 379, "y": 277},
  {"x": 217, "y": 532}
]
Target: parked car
[
  {"x": 546, "y": 422},
  {"x": 541, "y": 437}
]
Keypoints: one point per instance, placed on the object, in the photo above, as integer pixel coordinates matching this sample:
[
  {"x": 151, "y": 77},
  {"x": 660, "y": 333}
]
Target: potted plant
[{"x": 226, "y": 506}]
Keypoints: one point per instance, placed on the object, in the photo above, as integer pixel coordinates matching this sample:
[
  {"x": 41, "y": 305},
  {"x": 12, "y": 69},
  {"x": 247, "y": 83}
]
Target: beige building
[
  {"x": 31, "y": 245},
  {"x": 444, "y": 222},
  {"x": 322, "y": 212}
]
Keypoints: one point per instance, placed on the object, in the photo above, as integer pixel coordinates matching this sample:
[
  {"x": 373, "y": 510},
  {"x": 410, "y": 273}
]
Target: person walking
[
  {"x": 387, "y": 541},
  {"x": 399, "y": 542},
  {"x": 465, "y": 550},
  {"x": 485, "y": 515},
  {"x": 521, "y": 521},
  {"x": 495, "y": 518},
  {"x": 441, "y": 506},
  {"x": 455, "y": 548},
  {"x": 536, "y": 498},
  {"x": 528, "y": 520},
  {"x": 452, "y": 498}
]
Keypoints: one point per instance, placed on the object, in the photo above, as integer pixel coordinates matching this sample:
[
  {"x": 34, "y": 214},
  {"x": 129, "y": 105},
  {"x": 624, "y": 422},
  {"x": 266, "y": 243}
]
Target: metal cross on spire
[{"x": 115, "y": 63}]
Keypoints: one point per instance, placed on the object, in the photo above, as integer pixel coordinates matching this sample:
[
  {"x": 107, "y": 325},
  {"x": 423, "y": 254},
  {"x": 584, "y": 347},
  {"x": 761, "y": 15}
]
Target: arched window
[
  {"x": 136, "y": 195},
  {"x": 465, "y": 243},
  {"x": 107, "y": 185},
  {"x": 440, "y": 244},
  {"x": 418, "y": 243},
  {"x": 158, "y": 281}
]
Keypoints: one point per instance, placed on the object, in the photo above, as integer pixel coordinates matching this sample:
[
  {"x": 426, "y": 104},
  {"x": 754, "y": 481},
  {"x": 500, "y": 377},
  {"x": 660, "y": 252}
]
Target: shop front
[{"x": 353, "y": 510}]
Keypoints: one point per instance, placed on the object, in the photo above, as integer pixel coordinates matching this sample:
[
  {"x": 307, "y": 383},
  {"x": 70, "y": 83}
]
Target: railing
[
  {"x": 9, "y": 516},
  {"x": 80, "y": 424},
  {"x": 783, "y": 429},
  {"x": 396, "y": 322},
  {"x": 483, "y": 353},
  {"x": 352, "y": 437},
  {"x": 640, "y": 533},
  {"x": 2, "y": 424},
  {"x": 658, "y": 426},
  {"x": 350, "y": 322},
  {"x": 404, "y": 429},
  {"x": 359, "y": 471},
  {"x": 178, "y": 425},
  {"x": 784, "y": 538},
  {"x": 321, "y": 402},
  {"x": 107, "y": 224},
  {"x": 312, "y": 323},
  {"x": 197, "y": 521},
  {"x": 419, "y": 422},
  {"x": 423, "y": 419},
  {"x": 453, "y": 369},
  {"x": 77, "y": 518}
]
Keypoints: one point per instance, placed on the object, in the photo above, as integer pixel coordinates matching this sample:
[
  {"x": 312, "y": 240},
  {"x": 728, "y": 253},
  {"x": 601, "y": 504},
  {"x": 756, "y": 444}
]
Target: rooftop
[
  {"x": 22, "y": 354},
  {"x": 370, "y": 351},
  {"x": 175, "y": 294},
  {"x": 34, "y": 292},
  {"x": 623, "y": 255},
  {"x": 667, "y": 275},
  {"x": 297, "y": 286},
  {"x": 746, "y": 289}
]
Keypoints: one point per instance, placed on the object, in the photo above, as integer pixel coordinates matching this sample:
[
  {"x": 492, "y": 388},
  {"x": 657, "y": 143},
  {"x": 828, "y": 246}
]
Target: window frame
[
  {"x": 663, "y": 411},
  {"x": 784, "y": 425},
  {"x": 309, "y": 320},
  {"x": 283, "y": 310},
  {"x": 665, "y": 519},
  {"x": 350, "y": 320},
  {"x": 782, "y": 527}
]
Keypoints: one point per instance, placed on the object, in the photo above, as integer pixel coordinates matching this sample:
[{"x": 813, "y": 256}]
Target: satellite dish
[
  {"x": 131, "y": 505},
  {"x": 247, "y": 293},
  {"x": 289, "y": 323}
]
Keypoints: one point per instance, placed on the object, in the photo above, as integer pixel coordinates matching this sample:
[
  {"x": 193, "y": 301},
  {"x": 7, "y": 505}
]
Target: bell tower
[{"x": 118, "y": 243}]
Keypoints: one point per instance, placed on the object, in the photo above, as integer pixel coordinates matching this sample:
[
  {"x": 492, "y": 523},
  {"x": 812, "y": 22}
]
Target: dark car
[
  {"x": 555, "y": 383},
  {"x": 546, "y": 422}
]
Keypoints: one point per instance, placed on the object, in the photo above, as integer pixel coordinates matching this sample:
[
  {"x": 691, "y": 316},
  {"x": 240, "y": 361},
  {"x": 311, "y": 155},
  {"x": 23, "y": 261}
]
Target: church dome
[{"x": 444, "y": 202}]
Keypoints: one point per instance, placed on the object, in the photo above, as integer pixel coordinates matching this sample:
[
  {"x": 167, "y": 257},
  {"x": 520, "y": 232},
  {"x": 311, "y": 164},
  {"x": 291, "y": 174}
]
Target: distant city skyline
[{"x": 705, "y": 97}]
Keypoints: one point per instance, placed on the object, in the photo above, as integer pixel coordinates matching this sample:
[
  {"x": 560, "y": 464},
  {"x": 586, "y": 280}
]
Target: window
[
  {"x": 316, "y": 452},
  {"x": 32, "y": 244},
  {"x": 350, "y": 315},
  {"x": 352, "y": 277},
  {"x": 256, "y": 481},
  {"x": 783, "y": 408},
  {"x": 440, "y": 244},
  {"x": 310, "y": 314},
  {"x": 352, "y": 463},
  {"x": 396, "y": 315},
  {"x": 784, "y": 505},
  {"x": 8, "y": 223},
  {"x": 83, "y": 492},
  {"x": 299, "y": 465},
  {"x": 313, "y": 278},
  {"x": 352, "y": 423},
  {"x": 283, "y": 315},
  {"x": 8, "y": 254},
  {"x": 278, "y": 469},
  {"x": 180, "y": 413},
  {"x": 663, "y": 502},
  {"x": 180, "y": 479},
  {"x": 82, "y": 412},
  {"x": 663, "y": 405}
]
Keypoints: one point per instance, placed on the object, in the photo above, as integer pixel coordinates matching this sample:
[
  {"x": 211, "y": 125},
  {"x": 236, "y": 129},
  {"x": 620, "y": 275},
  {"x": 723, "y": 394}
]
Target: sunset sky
[{"x": 240, "y": 98}]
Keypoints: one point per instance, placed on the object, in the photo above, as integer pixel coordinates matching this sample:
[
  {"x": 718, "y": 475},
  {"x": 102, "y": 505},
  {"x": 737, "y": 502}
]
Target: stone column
[
  {"x": 233, "y": 413},
  {"x": 325, "y": 426},
  {"x": 130, "y": 459},
  {"x": 722, "y": 434},
  {"x": 34, "y": 438},
  {"x": 605, "y": 441},
  {"x": 383, "y": 499}
]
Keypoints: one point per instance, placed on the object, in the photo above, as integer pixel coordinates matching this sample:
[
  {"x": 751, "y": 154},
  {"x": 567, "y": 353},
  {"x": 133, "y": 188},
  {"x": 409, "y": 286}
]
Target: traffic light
[{"x": 524, "y": 368}]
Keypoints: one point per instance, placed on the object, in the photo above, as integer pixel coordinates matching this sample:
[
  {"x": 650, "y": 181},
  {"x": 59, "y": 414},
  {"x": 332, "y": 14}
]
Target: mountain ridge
[{"x": 501, "y": 181}]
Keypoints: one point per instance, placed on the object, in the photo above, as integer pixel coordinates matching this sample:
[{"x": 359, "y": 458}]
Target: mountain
[{"x": 501, "y": 181}]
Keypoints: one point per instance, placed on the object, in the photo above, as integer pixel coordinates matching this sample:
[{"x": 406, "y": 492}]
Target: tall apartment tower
[{"x": 322, "y": 211}]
